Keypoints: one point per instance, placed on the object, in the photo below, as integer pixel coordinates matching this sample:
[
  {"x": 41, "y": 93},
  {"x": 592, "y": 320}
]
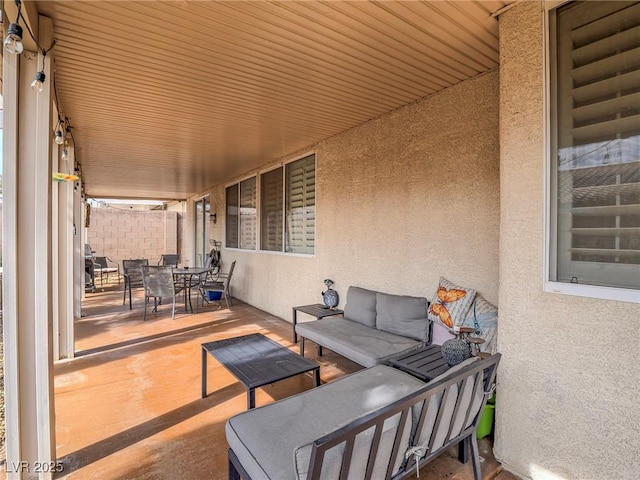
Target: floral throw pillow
[
  {"x": 483, "y": 316},
  {"x": 450, "y": 304}
]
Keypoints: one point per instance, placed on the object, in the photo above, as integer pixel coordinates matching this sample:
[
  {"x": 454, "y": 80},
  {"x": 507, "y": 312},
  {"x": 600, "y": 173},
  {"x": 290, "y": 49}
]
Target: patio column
[
  {"x": 29, "y": 399},
  {"x": 78, "y": 246},
  {"x": 63, "y": 335}
]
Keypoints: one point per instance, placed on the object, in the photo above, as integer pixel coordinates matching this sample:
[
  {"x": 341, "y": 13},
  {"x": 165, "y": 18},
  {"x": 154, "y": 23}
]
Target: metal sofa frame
[{"x": 483, "y": 372}]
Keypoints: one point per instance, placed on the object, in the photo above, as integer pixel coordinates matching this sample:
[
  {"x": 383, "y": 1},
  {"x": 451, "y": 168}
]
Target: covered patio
[
  {"x": 129, "y": 406},
  {"x": 386, "y": 145}
]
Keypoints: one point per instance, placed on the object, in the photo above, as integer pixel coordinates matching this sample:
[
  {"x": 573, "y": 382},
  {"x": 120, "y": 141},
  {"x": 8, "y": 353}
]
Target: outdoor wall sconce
[{"x": 214, "y": 218}]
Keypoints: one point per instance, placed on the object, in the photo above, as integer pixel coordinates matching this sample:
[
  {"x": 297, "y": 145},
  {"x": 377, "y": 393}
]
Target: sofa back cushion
[
  {"x": 402, "y": 315},
  {"x": 470, "y": 400},
  {"x": 361, "y": 306}
]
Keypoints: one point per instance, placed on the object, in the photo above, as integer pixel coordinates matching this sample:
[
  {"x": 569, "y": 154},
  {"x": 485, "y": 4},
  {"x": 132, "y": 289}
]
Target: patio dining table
[{"x": 185, "y": 280}]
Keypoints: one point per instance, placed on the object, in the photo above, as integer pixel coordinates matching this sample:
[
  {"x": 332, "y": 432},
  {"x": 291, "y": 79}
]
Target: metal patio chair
[
  {"x": 222, "y": 286},
  {"x": 158, "y": 283},
  {"x": 105, "y": 266},
  {"x": 132, "y": 273}
]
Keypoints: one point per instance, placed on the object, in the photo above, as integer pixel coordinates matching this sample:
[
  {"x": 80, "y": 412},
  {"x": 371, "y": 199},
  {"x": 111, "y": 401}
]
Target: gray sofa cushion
[
  {"x": 299, "y": 420},
  {"x": 402, "y": 315},
  {"x": 364, "y": 345},
  {"x": 447, "y": 413},
  {"x": 361, "y": 306}
]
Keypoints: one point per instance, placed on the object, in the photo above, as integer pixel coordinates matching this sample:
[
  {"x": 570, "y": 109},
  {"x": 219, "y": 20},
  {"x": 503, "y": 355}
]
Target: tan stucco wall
[
  {"x": 401, "y": 200},
  {"x": 568, "y": 381}
]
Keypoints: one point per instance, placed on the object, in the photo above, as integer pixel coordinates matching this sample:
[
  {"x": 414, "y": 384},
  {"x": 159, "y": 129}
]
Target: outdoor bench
[{"x": 373, "y": 424}]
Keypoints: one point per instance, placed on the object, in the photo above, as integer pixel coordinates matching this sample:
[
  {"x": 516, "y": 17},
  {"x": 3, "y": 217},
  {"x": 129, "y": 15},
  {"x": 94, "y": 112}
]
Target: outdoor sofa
[
  {"x": 373, "y": 424},
  {"x": 376, "y": 326}
]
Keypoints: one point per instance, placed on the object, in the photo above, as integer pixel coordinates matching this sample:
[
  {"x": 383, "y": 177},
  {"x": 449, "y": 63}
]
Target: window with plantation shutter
[
  {"x": 595, "y": 76},
  {"x": 271, "y": 208},
  {"x": 232, "y": 216},
  {"x": 247, "y": 227},
  {"x": 301, "y": 205},
  {"x": 241, "y": 215}
]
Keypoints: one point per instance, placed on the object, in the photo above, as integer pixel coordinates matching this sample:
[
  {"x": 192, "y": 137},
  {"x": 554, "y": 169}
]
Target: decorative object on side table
[
  {"x": 330, "y": 296},
  {"x": 456, "y": 351}
]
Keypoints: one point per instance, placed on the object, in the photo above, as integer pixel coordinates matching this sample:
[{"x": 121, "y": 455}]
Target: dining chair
[
  {"x": 158, "y": 283},
  {"x": 170, "y": 259},
  {"x": 104, "y": 265},
  {"x": 132, "y": 273},
  {"x": 221, "y": 286}
]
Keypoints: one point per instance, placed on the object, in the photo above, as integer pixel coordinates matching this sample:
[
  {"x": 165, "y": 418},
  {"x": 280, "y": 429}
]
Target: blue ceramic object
[
  {"x": 455, "y": 351},
  {"x": 330, "y": 297}
]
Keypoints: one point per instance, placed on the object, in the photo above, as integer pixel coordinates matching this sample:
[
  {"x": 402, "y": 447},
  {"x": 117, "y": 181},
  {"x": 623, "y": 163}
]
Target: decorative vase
[
  {"x": 330, "y": 297},
  {"x": 455, "y": 351}
]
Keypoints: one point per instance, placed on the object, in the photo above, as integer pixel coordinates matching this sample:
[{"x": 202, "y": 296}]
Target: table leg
[
  {"x": 295, "y": 321},
  {"x": 204, "y": 373},
  {"x": 189, "y": 295},
  {"x": 316, "y": 377},
  {"x": 463, "y": 450},
  {"x": 251, "y": 398}
]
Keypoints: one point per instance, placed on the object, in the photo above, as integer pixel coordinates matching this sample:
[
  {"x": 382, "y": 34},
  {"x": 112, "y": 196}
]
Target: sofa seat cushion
[
  {"x": 274, "y": 441},
  {"x": 364, "y": 345},
  {"x": 403, "y": 315}
]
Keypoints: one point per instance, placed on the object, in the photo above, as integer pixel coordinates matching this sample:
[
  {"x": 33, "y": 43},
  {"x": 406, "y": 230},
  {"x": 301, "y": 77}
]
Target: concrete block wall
[{"x": 126, "y": 234}]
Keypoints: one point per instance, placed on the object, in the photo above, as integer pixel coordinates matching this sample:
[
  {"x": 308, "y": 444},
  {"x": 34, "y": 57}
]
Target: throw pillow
[
  {"x": 483, "y": 316},
  {"x": 450, "y": 303},
  {"x": 402, "y": 315}
]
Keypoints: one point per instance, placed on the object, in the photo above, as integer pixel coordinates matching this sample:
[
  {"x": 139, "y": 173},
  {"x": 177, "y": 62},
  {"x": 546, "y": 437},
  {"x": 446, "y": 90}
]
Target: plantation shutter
[
  {"x": 598, "y": 143},
  {"x": 231, "y": 217},
  {"x": 248, "y": 213},
  {"x": 271, "y": 205},
  {"x": 301, "y": 205}
]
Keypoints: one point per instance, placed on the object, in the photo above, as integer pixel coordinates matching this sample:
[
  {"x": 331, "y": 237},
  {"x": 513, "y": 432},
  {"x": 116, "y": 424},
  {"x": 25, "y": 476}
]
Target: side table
[{"x": 316, "y": 310}]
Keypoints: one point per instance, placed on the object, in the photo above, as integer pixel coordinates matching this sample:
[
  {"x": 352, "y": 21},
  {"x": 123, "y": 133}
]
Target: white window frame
[
  {"x": 237, "y": 183},
  {"x": 550, "y": 227},
  {"x": 283, "y": 165}
]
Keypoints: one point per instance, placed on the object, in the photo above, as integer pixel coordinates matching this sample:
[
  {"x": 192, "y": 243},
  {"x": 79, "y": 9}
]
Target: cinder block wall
[{"x": 124, "y": 234}]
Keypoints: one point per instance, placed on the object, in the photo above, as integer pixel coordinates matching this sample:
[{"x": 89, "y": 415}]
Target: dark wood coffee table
[{"x": 255, "y": 361}]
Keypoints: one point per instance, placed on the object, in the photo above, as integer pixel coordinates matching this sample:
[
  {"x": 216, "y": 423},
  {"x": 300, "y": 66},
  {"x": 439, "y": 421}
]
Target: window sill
[{"x": 594, "y": 291}]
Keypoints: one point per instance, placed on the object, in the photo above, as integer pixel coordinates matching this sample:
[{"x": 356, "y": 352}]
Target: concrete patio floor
[{"x": 129, "y": 406}]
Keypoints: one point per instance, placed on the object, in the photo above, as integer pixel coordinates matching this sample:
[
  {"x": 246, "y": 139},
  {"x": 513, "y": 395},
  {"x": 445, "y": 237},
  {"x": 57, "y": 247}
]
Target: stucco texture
[
  {"x": 400, "y": 201},
  {"x": 568, "y": 381}
]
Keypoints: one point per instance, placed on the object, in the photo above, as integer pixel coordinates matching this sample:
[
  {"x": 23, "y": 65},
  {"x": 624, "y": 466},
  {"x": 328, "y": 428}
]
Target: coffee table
[{"x": 255, "y": 361}]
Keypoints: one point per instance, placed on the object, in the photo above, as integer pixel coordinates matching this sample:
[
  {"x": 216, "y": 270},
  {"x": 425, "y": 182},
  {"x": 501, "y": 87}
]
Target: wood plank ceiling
[{"x": 170, "y": 98}]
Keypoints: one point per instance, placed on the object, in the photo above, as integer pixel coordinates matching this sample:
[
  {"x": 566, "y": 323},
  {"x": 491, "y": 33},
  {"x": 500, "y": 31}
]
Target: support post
[{"x": 29, "y": 398}]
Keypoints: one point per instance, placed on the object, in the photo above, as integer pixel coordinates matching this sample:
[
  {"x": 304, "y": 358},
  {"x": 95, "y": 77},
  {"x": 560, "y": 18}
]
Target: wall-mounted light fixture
[{"x": 214, "y": 218}]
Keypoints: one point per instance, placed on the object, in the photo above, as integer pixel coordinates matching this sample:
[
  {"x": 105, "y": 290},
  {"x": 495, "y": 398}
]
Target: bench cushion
[
  {"x": 361, "y": 306},
  {"x": 274, "y": 441},
  {"x": 402, "y": 315},
  {"x": 364, "y": 345}
]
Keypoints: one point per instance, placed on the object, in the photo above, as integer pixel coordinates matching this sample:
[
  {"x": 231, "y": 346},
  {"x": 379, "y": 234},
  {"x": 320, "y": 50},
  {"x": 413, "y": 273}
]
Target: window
[
  {"x": 241, "y": 215},
  {"x": 288, "y": 207},
  {"x": 300, "y": 208},
  {"x": 595, "y": 144},
  {"x": 271, "y": 206}
]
